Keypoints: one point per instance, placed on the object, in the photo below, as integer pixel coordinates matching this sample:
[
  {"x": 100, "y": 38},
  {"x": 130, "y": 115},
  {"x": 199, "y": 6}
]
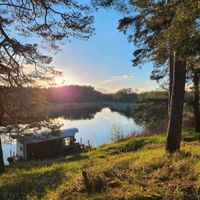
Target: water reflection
[
  {"x": 77, "y": 114},
  {"x": 95, "y": 125},
  {"x": 98, "y": 127}
]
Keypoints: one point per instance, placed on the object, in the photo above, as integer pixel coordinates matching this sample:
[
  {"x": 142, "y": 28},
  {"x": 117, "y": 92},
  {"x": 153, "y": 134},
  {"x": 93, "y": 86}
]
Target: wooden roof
[{"x": 43, "y": 137}]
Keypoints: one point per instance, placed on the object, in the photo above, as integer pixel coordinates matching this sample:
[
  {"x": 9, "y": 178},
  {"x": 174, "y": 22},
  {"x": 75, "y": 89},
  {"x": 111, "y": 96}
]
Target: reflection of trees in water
[
  {"x": 127, "y": 112},
  {"x": 77, "y": 114}
]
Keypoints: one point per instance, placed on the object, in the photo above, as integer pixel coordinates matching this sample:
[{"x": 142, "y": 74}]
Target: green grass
[{"x": 137, "y": 168}]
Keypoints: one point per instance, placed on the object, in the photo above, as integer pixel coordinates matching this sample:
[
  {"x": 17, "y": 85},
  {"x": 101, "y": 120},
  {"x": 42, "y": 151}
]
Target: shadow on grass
[
  {"x": 28, "y": 185},
  {"x": 47, "y": 162}
]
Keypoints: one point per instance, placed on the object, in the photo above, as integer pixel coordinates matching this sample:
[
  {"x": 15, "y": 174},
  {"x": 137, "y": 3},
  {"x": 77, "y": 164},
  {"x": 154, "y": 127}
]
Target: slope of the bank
[{"x": 137, "y": 168}]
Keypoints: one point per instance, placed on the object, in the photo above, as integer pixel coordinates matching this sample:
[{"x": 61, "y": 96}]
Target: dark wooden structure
[{"x": 47, "y": 145}]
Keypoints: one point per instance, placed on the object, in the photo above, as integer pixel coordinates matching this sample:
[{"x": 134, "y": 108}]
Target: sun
[{"x": 59, "y": 80}]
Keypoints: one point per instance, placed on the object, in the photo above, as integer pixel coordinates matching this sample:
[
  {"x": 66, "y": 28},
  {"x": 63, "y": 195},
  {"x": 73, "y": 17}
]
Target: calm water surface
[{"x": 96, "y": 126}]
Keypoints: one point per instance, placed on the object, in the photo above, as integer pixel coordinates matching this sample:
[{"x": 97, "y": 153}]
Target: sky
[{"x": 104, "y": 61}]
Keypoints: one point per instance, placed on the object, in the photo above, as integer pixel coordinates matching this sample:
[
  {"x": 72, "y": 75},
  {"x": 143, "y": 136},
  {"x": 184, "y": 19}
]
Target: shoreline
[{"x": 117, "y": 106}]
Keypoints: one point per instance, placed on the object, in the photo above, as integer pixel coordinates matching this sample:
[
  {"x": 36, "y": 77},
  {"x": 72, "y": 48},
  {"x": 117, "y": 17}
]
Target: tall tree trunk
[
  {"x": 176, "y": 107},
  {"x": 196, "y": 81},
  {"x": 171, "y": 69},
  {"x": 1, "y": 158},
  {"x": 1, "y": 149}
]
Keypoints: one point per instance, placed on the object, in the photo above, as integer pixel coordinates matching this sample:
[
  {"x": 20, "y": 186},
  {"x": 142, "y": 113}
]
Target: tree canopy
[{"x": 50, "y": 21}]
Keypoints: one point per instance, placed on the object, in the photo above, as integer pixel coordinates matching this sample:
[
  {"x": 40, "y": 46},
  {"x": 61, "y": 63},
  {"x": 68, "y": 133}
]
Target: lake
[{"x": 96, "y": 125}]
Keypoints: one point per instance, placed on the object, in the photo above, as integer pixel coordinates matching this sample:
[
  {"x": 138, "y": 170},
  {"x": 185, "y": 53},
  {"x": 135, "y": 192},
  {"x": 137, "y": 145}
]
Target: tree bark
[
  {"x": 171, "y": 69},
  {"x": 2, "y": 166},
  {"x": 196, "y": 81},
  {"x": 176, "y": 107},
  {"x": 1, "y": 158}
]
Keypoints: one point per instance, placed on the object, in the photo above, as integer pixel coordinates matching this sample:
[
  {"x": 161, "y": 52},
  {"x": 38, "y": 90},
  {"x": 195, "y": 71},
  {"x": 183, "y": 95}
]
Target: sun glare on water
[{"x": 59, "y": 80}]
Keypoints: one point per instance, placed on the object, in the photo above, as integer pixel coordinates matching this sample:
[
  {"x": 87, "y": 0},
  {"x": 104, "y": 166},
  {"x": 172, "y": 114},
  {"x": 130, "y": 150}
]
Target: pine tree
[{"x": 164, "y": 31}]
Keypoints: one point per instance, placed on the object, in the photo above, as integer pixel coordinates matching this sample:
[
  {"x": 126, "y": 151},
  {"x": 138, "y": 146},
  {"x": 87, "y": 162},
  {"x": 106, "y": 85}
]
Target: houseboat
[{"x": 47, "y": 145}]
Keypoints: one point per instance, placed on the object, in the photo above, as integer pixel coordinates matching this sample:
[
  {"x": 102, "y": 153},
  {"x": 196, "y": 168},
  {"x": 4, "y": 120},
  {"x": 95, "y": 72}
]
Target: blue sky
[{"x": 104, "y": 61}]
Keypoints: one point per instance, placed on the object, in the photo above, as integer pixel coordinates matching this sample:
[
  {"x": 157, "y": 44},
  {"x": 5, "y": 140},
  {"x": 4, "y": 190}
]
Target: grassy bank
[{"x": 137, "y": 168}]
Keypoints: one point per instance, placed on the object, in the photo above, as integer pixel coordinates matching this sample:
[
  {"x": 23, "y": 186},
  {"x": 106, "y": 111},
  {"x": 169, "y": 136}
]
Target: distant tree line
[
  {"x": 151, "y": 110},
  {"x": 125, "y": 95},
  {"x": 73, "y": 93},
  {"x": 77, "y": 93}
]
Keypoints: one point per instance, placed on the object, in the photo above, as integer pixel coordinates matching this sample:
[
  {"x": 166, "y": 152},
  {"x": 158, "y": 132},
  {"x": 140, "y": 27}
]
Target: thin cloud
[{"x": 116, "y": 78}]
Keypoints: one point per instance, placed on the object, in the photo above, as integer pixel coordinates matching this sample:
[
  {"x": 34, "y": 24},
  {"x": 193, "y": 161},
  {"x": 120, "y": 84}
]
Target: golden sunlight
[{"x": 59, "y": 80}]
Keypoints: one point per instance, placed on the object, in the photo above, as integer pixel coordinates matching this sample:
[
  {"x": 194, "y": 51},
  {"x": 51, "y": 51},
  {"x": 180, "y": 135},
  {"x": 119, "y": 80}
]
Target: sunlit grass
[{"x": 137, "y": 168}]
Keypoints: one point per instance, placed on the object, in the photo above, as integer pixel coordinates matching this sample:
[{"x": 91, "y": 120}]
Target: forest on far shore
[{"x": 75, "y": 93}]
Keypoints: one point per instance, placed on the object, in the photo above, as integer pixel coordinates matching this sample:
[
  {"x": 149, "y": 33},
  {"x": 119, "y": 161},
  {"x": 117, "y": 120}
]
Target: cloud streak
[{"x": 117, "y": 78}]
